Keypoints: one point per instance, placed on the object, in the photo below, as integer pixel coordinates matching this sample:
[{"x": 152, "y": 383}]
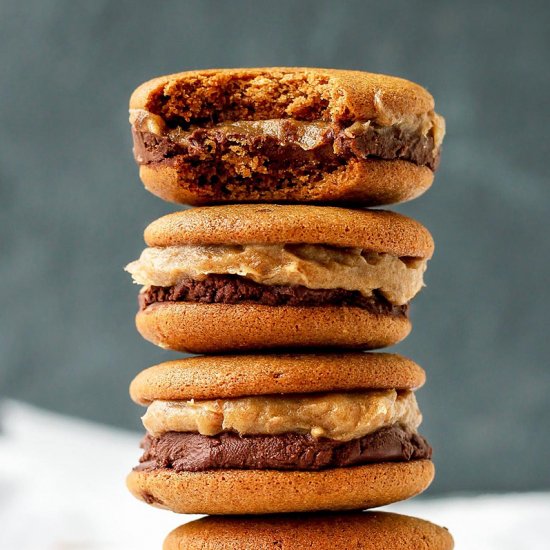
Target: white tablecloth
[{"x": 62, "y": 488}]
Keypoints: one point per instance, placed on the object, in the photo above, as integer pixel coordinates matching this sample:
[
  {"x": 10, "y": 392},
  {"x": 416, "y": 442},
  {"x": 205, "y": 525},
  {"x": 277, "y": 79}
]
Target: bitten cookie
[
  {"x": 259, "y": 434},
  {"x": 248, "y": 277},
  {"x": 363, "y": 530},
  {"x": 285, "y": 134}
]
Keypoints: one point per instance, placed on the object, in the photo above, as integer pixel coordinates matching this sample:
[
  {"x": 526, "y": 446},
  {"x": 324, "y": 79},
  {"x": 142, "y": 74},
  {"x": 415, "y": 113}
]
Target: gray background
[{"x": 73, "y": 209}]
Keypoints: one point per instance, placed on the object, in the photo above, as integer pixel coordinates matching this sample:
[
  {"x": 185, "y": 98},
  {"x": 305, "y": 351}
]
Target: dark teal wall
[{"x": 73, "y": 209}]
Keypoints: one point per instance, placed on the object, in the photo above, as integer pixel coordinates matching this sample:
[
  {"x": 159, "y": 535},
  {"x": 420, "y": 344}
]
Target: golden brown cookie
[
  {"x": 251, "y": 277},
  {"x": 332, "y": 531},
  {"x": 374, "y": 230},
  {"x": 271, "y": 492},
  {"x": 215, "y": 328},
  {"x": 280, "y": 433},
  {"x": 228, "y": 376},
  {"x": 285, "y": 134}
]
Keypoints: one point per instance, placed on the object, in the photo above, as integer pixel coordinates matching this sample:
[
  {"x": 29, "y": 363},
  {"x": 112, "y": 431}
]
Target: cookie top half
[
  {"x": 277, "y": 92},
  {"x": 229, "y": 376},
  {"x": 373, "y": 230}
]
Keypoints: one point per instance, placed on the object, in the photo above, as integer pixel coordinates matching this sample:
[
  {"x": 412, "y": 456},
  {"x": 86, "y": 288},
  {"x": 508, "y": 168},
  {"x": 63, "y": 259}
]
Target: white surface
[{"x": 72, "y": 495}]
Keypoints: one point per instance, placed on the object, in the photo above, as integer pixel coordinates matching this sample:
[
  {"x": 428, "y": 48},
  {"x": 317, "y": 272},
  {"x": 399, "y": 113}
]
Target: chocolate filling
[
  {"x": 232, "y": 289},
  {"x": 336, "y": 147},
  {"x": 193, "y": 452}
]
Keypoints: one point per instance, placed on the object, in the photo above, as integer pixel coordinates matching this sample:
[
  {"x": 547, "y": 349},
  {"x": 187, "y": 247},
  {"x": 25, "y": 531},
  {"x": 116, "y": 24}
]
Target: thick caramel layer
[
  {"x": 338, "y": 416},
  {"x": 312, "y": 266},
  {"x": 307, "y": 135}
]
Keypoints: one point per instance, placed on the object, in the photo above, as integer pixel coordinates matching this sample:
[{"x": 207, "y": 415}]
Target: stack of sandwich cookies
[
  {"x": 251, "y": 277},
  {"x": 257, "y": 434},
  {"x": 300, "y": 269}
]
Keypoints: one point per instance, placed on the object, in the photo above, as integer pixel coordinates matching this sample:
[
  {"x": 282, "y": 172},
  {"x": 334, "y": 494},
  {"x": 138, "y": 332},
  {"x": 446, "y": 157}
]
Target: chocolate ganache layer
[
  {"x": 232, "y": 289},
  {"x": 193, "y": 452},
  {"x": 297, "y": 141}
]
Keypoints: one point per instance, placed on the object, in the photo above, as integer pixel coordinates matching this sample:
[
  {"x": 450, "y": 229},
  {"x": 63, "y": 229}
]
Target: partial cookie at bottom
[{"x": 335, "y": 531}]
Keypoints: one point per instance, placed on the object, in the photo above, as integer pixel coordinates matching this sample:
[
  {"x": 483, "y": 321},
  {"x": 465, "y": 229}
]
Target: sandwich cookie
[
  {"x": 285, "y": 134},
  {"x": 360, "y": 530},
  {"x": 246, "y": 277},
  {"x": 259, "y": 434}
]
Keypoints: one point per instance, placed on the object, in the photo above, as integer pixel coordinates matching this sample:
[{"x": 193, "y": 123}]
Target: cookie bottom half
[
  {"x": 271, "y": 491},
  {"x": 218, "y": 327},
  {"x": 367, "y": 182}
]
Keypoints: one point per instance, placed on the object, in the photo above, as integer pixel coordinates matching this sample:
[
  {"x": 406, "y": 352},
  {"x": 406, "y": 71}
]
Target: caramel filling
[
  {"x": 338, "y": 416},
  {"x": 312, "y": 266},
  {"x": 305, "y": 134}
]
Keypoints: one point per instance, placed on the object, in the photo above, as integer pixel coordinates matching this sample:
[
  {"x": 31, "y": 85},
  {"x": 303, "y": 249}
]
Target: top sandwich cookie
[
  {"x": 364, "y": 530},
  {"x": 244, "y": 277},
  {"x": 285, "y": 135}
]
